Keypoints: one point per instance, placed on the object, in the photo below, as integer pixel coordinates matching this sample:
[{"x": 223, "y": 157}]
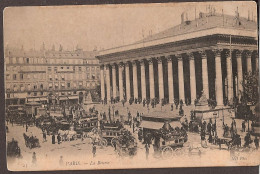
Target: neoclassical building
[{"x": 211, "y": 54}]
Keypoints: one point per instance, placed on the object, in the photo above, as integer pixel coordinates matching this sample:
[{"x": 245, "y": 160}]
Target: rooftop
[
  {"x": 205, "y": 24},
  {"x": 12, "y": 52},
  {"x": 205, "y": 21}
]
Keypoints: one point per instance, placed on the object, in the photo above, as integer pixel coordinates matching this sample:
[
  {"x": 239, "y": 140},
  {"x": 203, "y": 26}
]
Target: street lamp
[{"x": 113, "y": 107}]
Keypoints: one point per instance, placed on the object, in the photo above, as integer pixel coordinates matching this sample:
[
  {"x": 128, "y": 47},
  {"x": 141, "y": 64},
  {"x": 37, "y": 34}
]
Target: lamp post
[{"x": 113, "y": 107}]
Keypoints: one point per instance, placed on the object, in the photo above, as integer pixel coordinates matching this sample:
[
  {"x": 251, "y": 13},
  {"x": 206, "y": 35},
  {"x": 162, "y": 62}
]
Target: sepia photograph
[{"x": 128, "y": 86}]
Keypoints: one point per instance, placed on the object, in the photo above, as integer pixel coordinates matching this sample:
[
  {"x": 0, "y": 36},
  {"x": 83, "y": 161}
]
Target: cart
[
  {"x": 13, "y": 150},
  {"x": 31, "y": 141},
  {"x": 169, "y": 141},
  {"x": 125, "y": 144},
  {"x": 110, "y": 132}
]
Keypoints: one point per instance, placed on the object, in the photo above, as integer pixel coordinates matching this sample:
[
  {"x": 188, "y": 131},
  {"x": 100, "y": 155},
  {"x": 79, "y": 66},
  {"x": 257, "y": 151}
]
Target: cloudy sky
[{"x": 101, "y": 26}]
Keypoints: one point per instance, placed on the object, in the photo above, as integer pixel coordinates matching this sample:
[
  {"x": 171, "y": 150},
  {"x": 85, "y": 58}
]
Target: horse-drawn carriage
[
  {"x": 168, "y": 141},
  {"x": 13, "y": 150},
  {"x": 110, "y": 132},
  {"x": 31, "y": 141},
  {"x": 125, "y": 144},
  {"x": 86, "y": 124}
]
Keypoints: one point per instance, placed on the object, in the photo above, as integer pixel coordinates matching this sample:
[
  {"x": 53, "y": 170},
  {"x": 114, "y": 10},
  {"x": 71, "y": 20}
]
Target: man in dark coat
[
  {"x": 53, "y": 139},
  {"x": 256, "y": 140}
]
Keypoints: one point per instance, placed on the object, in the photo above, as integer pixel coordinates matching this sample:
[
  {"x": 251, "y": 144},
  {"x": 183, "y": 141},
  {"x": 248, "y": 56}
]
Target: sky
[{"x": 100, "y": 26}]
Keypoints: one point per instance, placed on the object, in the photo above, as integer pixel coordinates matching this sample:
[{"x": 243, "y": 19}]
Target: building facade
[
  {"x": 210, "y": 54},
  {"x": 49, "y": 75}
]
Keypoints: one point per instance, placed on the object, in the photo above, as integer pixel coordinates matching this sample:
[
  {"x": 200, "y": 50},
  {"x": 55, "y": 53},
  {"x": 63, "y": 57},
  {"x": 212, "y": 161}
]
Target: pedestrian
[
  {"x": 34, "y": 159},
  {"x": 256, "y": 140},
  {"x": 243, "y": 126},
  {"x": 210, "y": 138},
  {"x": 247, "y": 140},
  {"x": 26, "y": 127},
  {"x": 94, "y": 149},
  {"x": 147, "y": 146},
  {"x": 133, "y": 127},
  {"x": 61, "y": 161},
  {"x": 53, "y": 139},
  {"x": 171, "y": 107},
  {"x": 44, "y": 136},
  {"x": 59, "y": 139}
]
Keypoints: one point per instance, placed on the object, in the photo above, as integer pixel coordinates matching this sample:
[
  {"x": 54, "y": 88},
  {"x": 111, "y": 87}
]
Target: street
[{"x": 78, "y": 153}]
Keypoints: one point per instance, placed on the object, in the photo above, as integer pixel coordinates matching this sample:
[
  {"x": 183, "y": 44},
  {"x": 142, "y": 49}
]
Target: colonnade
[{"x": 141, "y": 77}]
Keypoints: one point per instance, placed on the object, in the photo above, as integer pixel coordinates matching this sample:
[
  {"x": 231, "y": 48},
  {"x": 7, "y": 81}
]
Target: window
[
  {"x": 22, "y": 87},
  {"x": 41, "y": 86},
  {"x": 35, "y": 93},
  {"x": 41, "y": 93},
  {"x": 61, "y": 67},
  {"x": 27, "y": 60},
  {"x": 79, "y": 68},
  {"x": 56, "y": 85},
  {"x": 75, "y": 92},
  {"x": 55, "y": 68},
  {"x": 8, "y": 95},
  {"x": 62, "y": 86},
  {"x": 73, "y": 68},
  {"x": 7, "y": 76},
  {"x": 68, "y": 67},
  {"x": 14, "y": 77},
  {"x": 29, "y": 93},
  {"x": 93, "y": 69},
  {"x": 49, "y": 68},
  {"x": 21, "y": 76},
  {"x": 68, "y": 85},
  {"x": 87, "y": 68},
  {"x": 35, "y": 87}
]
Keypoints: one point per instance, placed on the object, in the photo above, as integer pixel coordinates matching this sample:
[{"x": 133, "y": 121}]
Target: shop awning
[{"x": 151, "y": 125}]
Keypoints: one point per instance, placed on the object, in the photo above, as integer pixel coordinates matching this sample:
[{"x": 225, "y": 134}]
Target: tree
[{"x": 250, "y": 84}]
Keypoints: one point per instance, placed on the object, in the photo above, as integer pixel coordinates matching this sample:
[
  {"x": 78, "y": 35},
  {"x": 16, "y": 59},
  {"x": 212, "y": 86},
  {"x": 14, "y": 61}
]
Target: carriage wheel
[
  {"x": 177, "y": 151},
  {"x": 113, "y": 142},
  {"x": 167, "y": 152},
  {"x": 103, "y": 142}
]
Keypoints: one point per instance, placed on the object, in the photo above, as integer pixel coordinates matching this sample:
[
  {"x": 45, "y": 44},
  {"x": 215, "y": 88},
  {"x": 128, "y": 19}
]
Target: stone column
[
  {"x": 170, "y": 80},
  {"x": 151, "y": 79},
  {"x": 205, "y": 81},
  {"x": 229, "y": 76},
  {"x": 248, "y": 61},
  {"x": 218, "y": 80},
  {"x": 108, "y": 83},
  {"x": 193, "y": 92},
  {"x": 143, "y": 79},
  {"x": 181, "y": 78},
  {"x": 114, "y": 81},
  {"x": 160, "y": 79},
  {"x": 135, "y": 84},
  {"x": 239, "y": 73},
  {"x": 127, "y": 81},
  {"x": 102, "y": 82},
  {"x": 120, "y": 75}
]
